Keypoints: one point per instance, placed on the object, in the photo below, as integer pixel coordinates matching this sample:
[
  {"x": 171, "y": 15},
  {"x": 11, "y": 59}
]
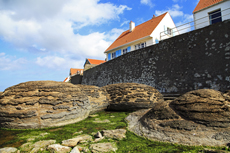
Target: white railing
[{"x": 196, "y": 24}]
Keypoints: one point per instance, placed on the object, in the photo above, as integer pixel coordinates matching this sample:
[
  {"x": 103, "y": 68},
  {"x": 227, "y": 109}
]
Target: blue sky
[{"x": 42, "y": 40}]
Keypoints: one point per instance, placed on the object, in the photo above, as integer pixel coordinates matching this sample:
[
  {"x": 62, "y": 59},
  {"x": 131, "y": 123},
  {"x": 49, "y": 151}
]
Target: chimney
[
  {"x": 154, "y": 16},
  {"x": 131, "y": 26}
]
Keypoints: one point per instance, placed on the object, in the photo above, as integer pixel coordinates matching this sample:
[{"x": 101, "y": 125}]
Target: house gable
[
  {"x": 141, "y": 31},
  {"x": 205, "y": 3}
]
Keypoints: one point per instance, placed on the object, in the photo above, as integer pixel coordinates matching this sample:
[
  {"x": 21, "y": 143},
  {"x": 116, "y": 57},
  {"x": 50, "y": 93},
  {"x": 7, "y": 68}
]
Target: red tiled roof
[
  {"x": 205, "y": 3},
  {"x": 74, "y": 71},
  {"x": 65, "y": 79},
  {"x": 95, "y": 61},
  {"x": 140, "y": 31}
]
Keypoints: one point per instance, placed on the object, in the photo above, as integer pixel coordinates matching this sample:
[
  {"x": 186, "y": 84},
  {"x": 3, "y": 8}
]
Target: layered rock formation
[
  {"x": 200, "y": 117},
  {"x": 131, "y": 96},
  {"x": 39, "y": 104}
]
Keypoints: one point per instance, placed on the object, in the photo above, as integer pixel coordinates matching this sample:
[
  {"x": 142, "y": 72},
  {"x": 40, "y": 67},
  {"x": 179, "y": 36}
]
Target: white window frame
[{"x": 140, "y": 45}]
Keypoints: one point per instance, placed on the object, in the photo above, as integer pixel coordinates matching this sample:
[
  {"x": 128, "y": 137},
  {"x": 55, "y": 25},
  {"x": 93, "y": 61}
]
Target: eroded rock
[
  {"x": 8, "y": 149},
  {"x": 131, "y": 96},
  {"x": 199, "y": 117},
  {"x": 103, "y": 147},
  {"x": 39, "y": 104},
  {"x": 57, "y": 148},
  {"x": 115, "y": 134}
]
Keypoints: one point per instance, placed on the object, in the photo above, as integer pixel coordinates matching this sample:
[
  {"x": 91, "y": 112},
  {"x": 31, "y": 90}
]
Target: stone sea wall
[{"x": 194, "y": 60}]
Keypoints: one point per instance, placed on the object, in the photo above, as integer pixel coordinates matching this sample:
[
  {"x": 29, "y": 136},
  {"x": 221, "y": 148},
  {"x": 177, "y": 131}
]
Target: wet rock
[
  {"x": 8, "y": 149},
  {"x": 115, "y": 134},
  {"x": 103, "y": 147},
  {"x": 131, "y": 96},
  {"x": 57, "y": 148}
]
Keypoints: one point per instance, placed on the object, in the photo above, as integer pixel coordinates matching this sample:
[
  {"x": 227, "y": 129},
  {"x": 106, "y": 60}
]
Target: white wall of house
[
  {"x": 201, "y": 18},
  {"x": 165, "y": 23}
]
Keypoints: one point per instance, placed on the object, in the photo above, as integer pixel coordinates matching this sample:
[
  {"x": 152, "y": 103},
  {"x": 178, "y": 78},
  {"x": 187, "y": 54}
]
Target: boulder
[
  {"x": 71, "y": 142},
  {"x": 39, "y": 104},
  {"x": 96, "y": 96},
  {"x": 199, "y": 117},
  {"x": 37, "y": 146},
  {"x": 103, "y": 147},
  {"x": 75, "y": 150},
  {"x": 118, "y": 134},
  {"x": 131, "y": 96},
  {"x": 57, "y": 148},
  {"x": 205, "y": 106},
  {"x": 8, "y": 149}
]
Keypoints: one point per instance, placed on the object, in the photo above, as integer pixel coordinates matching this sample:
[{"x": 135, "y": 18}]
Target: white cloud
[
  {"x": 49, "y": 25},
  {"x": 11, "y": 63},
  {"x": 125, "y": 22},
  {"x": 147, "y": 2},
  {"x": 174, "y": 11},
  {"x": 58, "y": 63}
]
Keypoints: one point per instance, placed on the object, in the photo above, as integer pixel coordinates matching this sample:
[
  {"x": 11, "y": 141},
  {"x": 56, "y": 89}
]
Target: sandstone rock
[
  {"x": 84, "y": 138},
  {"x": 57, "y": 148},
  {"x": 131, "y": 96},
  {"x": 103, "y": 147},
  {"x": 197, "y": 118},
  {"x": 204, "y": 106},
  {"x": 71, "y": 142},
  {"x": 115, "y": 134},
  {"x": 96, "y": 96},
  {"x": 8, "y": 149},
  {"x": 75, "y": 150},
  {"x": 97, "y": 120},
  {"x": 41, "y": 145},
  {"x": 80, "y": 132},
  {"x": 39, "y": 104}
]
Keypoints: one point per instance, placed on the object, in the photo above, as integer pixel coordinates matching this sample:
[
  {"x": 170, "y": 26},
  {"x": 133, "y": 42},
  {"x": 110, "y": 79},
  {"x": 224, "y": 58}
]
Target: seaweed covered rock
[
  {"x": 131, "y": 96},
  {"x": 199, "y": 117},
  {"x": 39, "y": 104}
]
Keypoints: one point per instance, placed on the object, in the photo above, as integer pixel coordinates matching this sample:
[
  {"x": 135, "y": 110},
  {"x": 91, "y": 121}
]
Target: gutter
[{"x": 127, "y": 43}]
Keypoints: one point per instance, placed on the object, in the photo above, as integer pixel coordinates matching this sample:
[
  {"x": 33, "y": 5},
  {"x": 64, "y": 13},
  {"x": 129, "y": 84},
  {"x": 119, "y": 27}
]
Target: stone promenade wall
[{"x": 194, "y": 60}]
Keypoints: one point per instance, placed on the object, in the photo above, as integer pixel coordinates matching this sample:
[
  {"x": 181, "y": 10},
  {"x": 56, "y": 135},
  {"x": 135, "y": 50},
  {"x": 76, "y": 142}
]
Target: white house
[
  {"x": 208, "y": 12},
  {"x": 145, "y": 34}
]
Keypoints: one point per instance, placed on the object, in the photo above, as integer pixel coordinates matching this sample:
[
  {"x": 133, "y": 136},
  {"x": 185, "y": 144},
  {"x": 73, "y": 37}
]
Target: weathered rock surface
[
  {"x": 71, "y": 142},
  {"x": 103, "y": 147},
  {"x": 96, "y": 96},
  {"x": 8, "y": 149},
  {"x": 118, "y": 134},
  {"x": 75, "y": 150},
  {"x": 131, "y": 96},
  {"x": 57, "y": 148},
  {"x": 205, "y": 106},
  {"x": 199, "y": 117},
  {"x": 39, "y": 104},
  {"x": 37, "y": 146}
]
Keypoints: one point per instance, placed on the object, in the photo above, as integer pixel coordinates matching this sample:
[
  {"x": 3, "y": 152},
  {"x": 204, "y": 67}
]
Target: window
[
  {"x": 124, "y": 51},
  {"x": 113, "y": 55},
  {"x": 141, "y": 45},
  {"x": 215, "y": 16},
  {"x": 169, "y": 31},
  {"x": 156, "y": 41}
]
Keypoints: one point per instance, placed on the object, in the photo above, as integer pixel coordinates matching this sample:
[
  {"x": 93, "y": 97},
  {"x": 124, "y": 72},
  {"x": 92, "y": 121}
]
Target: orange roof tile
[
  {"x": 74, "y": 71},
  {"x": 205, "y": 3},
  {"x": 95, "y": 61},
  {"x": 65, "y": 79},
  {"x": 140, "y": 31}
]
